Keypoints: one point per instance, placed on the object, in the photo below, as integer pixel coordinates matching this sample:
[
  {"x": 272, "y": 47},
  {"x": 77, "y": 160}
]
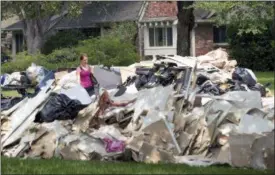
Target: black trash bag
[
  {"x": 141, "y": 81},
  {"x": 244, "y": 76},
  {"x": 59, "y": 107},
  {"x": 201, "y": 79},
  {"x": 209, "y": 88},
  {"x": 7, "y": 103},
  {"x": 260, "y": 88}
]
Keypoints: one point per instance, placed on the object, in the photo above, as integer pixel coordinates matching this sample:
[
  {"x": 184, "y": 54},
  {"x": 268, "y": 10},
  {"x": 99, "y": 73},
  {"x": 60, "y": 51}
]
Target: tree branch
[{"x": 53, "y": 24}]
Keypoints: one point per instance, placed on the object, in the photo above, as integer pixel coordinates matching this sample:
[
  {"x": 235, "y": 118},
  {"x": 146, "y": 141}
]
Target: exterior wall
[
  {"x": 167, "y": 50},
  {"x": 203, "y": 39},
  {"x": 161, "y": 9}
]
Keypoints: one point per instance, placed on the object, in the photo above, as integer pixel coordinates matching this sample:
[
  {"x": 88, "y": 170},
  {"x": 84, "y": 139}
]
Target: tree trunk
[
  {"x": 186, "y": 21},
  {"x": 273, "y": 27},
  {"x": 33, "y": 34}
]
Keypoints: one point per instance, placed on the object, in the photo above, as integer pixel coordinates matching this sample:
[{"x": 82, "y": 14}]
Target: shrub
[
  {"x": 62, "y": 55},
  {"x": 108, "y": 50},
  {"x": 58, "y": 59},
  {"x": 256, "y": 52},
  {"x": 66, "y": 57},
  {"x": 21, "y": 63},
  {"x": 62, "y": 39},
  {"x": 126, "y": 31}
]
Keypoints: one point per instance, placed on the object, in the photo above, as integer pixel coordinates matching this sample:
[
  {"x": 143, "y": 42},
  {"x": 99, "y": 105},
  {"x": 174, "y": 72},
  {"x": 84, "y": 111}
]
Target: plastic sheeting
[
  {"x": 253, "y": 124},
  {"x": 108, "y": 79},
  {"x": 77, "y": 93},
  {"x": 196, "y": 160},
  {"x": 11, "y": 79},
  {"x": 36, "y": 73}
]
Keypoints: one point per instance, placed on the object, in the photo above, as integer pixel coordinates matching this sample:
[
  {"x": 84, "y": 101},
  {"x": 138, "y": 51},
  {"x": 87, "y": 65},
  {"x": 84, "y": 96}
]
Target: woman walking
[{"x": 84, "y": 74}]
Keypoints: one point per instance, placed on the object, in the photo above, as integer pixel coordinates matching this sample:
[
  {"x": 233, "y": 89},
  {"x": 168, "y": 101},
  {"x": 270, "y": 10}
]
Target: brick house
[
  {"x": 159, "y": 28},
  {"x": 156, "y": 22}
]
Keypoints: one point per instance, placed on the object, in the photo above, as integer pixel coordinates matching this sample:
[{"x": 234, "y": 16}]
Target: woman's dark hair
[{"x": 82, "y": 56}]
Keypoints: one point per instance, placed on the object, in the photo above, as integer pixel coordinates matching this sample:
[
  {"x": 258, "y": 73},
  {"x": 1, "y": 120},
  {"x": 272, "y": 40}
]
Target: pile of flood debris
[{"x": 198, "y": 111}]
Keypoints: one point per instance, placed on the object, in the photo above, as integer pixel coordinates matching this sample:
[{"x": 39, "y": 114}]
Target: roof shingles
[{"x": 97, "y": 12}]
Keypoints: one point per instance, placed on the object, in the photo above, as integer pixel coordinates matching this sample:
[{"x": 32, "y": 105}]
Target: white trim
[
  {"x": 221, "y": 44},
  {"x": 166, "y": 37},
  {"x": 142, "y": 10},
  {"x": 193, "y": 44}
]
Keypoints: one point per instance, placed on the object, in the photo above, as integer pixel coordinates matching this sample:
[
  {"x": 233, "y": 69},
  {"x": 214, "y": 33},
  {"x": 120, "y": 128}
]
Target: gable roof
[{"x": 96, "y": 13}]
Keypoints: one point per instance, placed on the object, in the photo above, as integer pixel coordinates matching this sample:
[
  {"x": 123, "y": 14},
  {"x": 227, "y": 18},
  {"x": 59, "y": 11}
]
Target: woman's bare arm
[
  {"x": 78, "y": 76},
  {"x": 92, "y": 69}
]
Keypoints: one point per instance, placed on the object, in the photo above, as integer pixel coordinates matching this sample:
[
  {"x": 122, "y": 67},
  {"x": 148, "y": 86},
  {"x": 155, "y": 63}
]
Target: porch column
[
  {"x": 13, "y": 47},
  {"x": 193, "y": 42}
]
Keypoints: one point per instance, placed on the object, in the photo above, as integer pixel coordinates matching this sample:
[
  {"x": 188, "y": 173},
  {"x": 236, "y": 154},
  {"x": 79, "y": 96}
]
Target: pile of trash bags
[{"x": 199, "y": 111}]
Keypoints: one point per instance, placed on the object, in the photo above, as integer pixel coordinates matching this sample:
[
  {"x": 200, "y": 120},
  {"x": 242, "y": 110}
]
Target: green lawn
[
  {"x": 14, "y": 93},
  {"x": 266, "y": 77},
  {"x": 56, "y": 166}
]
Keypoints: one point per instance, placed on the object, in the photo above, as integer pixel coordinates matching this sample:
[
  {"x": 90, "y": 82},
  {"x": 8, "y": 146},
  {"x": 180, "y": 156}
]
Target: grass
[
  {"x": 14, "y": 93},
  {"x": 266, "y": 77},
  {"x": 56, "y": 166}
]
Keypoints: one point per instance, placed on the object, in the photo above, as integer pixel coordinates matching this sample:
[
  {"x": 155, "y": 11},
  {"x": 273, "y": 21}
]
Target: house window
[
  {"x": 219, "y": 34},
  {"x": 159, "y": 37}
]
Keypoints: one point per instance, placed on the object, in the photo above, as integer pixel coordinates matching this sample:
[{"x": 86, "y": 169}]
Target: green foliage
[
  {"x": 58, "y": 59},
  {"x": 63, "y": 58},
  {"x": 248, "y": 16},
  {"x": 65, "y": 54},
  {"x": 63, "y": 39},
  {"x": 254, "y": 51},
  {"x": 125, "y": 31},
  {"x": 108, "y": 51},
  {"x": 21, "y": 63},
  {"x": 114, "y": 48},
  {"x": 39, "y": 9}
]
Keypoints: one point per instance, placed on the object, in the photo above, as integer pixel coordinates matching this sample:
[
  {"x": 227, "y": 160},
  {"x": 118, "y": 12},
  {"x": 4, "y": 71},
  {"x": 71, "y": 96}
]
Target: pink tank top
[{"x": 85, "y": 77}]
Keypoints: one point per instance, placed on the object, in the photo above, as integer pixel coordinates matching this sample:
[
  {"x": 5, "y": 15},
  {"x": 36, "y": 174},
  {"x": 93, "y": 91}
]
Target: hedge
[
  {"x": 105, "y": 50},
  {"x": 256, "y": 52}
]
